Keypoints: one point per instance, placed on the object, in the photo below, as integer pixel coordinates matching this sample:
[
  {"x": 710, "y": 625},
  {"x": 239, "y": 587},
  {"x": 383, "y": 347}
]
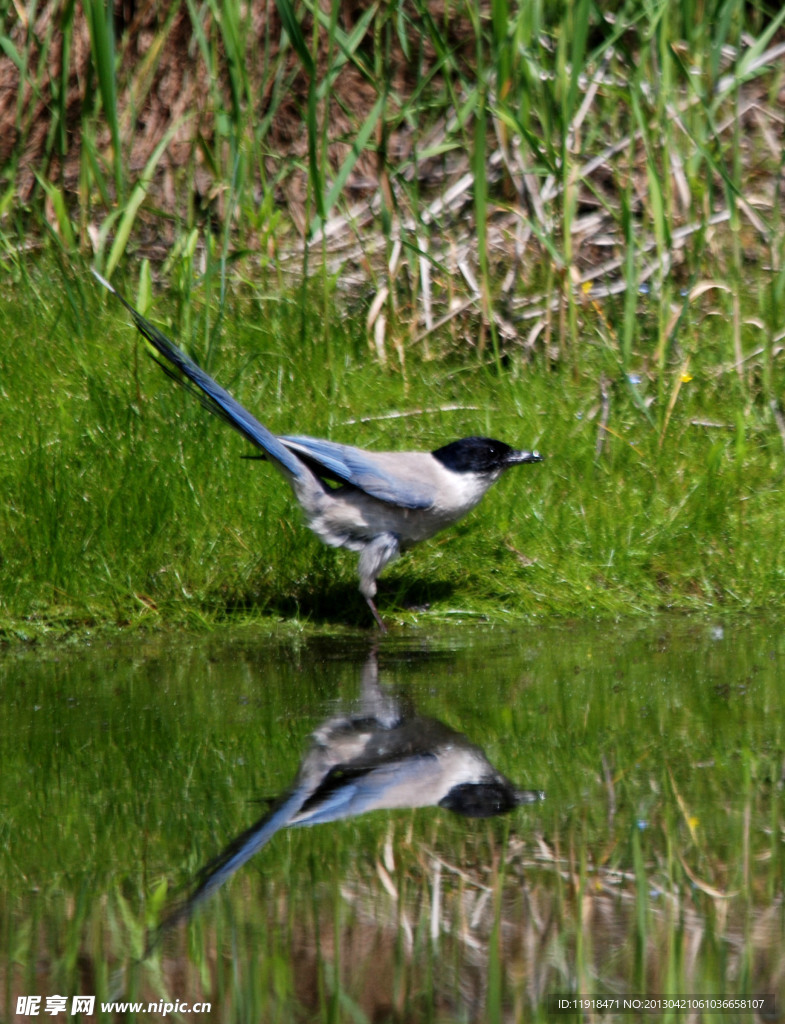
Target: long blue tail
[
  {"x": 240, "y": 850},
  {"x": 244, "y": 846},
  {"x": 220, "y": 401}
]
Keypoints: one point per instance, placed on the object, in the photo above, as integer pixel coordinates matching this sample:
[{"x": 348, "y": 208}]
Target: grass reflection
[{"x": 654, "y": 865}]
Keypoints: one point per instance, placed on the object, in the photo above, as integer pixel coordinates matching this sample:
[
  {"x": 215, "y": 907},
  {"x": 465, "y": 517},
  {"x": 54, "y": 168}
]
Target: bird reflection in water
[{"x": 379, "y": 756}]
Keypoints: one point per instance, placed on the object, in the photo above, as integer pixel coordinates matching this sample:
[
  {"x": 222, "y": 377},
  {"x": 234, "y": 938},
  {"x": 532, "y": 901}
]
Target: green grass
[
  {"x": 126, "y": 503},
  {"x": 578, "y": 146},
  {"x": 571, "y": 239},
  {"x": 655, "y": 863}
]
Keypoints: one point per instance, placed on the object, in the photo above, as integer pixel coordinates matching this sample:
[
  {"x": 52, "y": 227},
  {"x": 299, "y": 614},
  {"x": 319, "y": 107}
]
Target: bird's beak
[
  {"x": 515, "y": 458},
  {"x": 528, "y": 796}
]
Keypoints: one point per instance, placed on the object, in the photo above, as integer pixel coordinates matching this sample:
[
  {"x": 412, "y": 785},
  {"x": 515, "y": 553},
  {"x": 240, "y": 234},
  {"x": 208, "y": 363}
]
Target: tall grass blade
[
  {"x": 296, "y": 38},
  {"x": 138, "y": 196},
  {"x": 358, "y": 146},
  {"x": 348, "y": 44},
  {"x": 64, "y": 227},
  {"x": 100, "y": 17}
]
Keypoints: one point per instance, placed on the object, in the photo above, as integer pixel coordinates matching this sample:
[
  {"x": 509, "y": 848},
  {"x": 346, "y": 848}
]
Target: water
[{"x": 653, "y": 865}]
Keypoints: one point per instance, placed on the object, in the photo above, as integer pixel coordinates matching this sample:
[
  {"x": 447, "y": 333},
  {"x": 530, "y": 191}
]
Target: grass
[
  {"x": 125, "y": 503},
  {"x": 654, "y": 865},
  {"x": 496, "y": 159},
  {"x": 570, "y": 238}
]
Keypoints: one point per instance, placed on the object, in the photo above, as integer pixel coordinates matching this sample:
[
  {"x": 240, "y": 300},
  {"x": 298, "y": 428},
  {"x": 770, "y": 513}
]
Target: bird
[
  {"x": 376, "y": 503},
  {"x": 375, "y": 756}
]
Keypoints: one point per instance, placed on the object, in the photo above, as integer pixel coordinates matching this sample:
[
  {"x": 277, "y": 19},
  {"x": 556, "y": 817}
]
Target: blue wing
[
  {"x": 382, "y": 787},
  {"x": 361, "y": 469}
]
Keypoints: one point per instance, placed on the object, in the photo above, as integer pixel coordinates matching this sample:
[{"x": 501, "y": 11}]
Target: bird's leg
[
  {"x": 383, "y": 549},
  {"x": 376, "y": 702},
  {"x": 376, "y": 615}
]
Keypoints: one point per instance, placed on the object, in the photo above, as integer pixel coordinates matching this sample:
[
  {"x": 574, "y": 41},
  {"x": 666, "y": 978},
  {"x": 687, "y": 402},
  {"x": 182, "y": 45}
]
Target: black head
[
  {"x": 481, "y": 455},
  {"x": 487, "y": 799}
]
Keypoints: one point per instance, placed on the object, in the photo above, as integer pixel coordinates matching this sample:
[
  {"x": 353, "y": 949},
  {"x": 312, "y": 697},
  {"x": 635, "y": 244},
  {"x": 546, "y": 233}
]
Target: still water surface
[{"x": 653, "y": 865}]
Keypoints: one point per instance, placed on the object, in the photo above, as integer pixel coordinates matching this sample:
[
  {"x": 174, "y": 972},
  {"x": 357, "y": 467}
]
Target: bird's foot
[{"x": 376, "y": 615}]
